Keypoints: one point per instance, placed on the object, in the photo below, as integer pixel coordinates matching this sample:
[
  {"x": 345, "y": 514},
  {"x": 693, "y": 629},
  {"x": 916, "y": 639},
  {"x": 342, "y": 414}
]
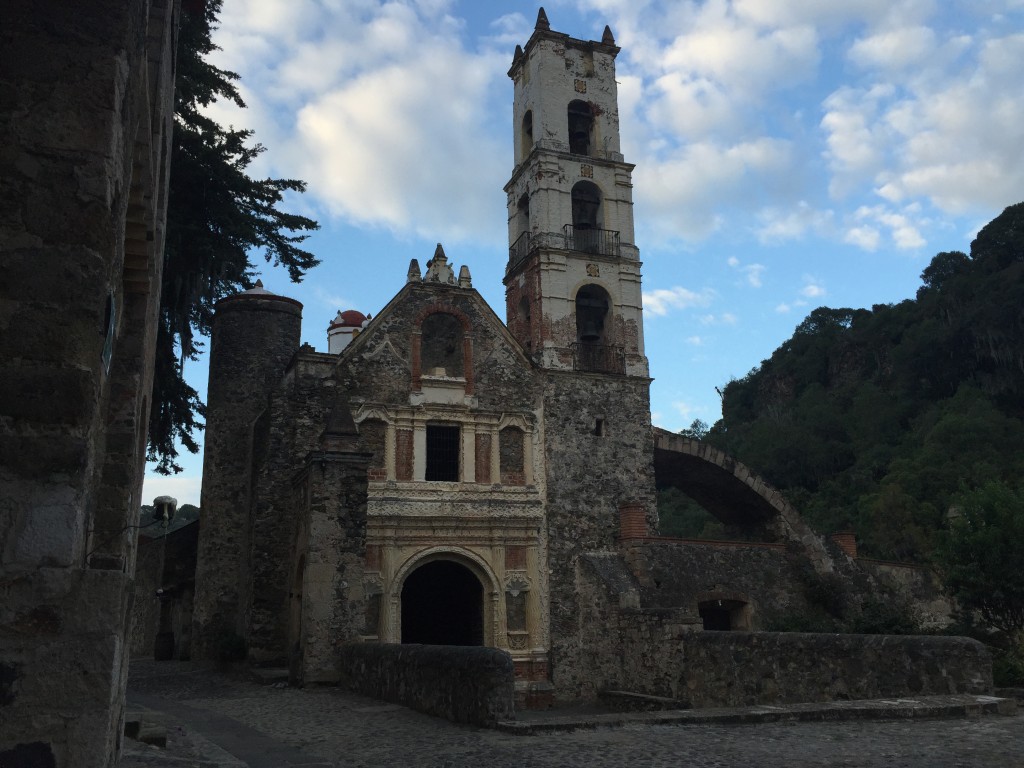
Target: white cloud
[
  {"x": 863, "y": 237},
  {"x": 812, "y": 289},
  {"x": 894, "y": 48},
  {"x": 379, "y": 107},
  {"x": 782, "y": 224},
  {"x": 694, "y": 341},
  {"x": 661, "y": 301},
  {"x": 685, "y": 409},
  {"x": 783, "y": 308},
  {"x": 751, "y": 272},
  {"x": 725, "y": 318},
  {"x": 947, "y": 132}
]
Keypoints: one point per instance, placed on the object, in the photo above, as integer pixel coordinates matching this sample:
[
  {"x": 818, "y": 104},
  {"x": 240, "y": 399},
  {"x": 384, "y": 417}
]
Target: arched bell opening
[
  {"x": 523, "y": 213},
  {"x": 586, "y": 218},
  {"x": 524, "y": 314},
  {"x": 592, "y": 308},
  {"x": 586, "y": 206},
  {"x": 526, "y": 136},
  {"x": 442, "y": 603},
  {"x": 581, "y": 127}
]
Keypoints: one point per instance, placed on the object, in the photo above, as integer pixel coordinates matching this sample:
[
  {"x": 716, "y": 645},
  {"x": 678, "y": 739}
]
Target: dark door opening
[
  {"x": 723, "y": 615},
  {"x": 442, "y": 604}
]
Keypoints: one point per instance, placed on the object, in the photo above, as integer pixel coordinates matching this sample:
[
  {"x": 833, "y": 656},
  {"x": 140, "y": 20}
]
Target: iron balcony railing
[
  {"x": 520, "y": 250},
  {"x": 601, "y": 241},
  {"x": 598, "y": 358}
]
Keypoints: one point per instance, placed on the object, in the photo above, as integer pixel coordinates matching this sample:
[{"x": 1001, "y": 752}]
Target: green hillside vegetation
[{"x": 875, "y": 420}]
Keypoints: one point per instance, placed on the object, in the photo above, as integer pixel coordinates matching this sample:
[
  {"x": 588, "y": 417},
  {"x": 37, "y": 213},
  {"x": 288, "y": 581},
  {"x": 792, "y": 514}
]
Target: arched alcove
[
  {"x": 441, "y": 348},
  {"x": 442, "y": 603},
  {"x": 581, "y": 127}
]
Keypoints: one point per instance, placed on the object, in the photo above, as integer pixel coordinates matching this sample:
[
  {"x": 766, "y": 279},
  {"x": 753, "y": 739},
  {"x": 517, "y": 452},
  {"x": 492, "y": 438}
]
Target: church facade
[
  {"x": 443, "y": 477},
  {"x": 491, "y": 454}
]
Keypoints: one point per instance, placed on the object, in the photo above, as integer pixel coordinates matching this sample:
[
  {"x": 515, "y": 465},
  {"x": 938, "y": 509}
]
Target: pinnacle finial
[
  {"x": 518, "y": 54},
  {"x": 542, "y": 20},
  {"x": 259, "y": 283},
  {"x": 608, "y": 38},
  {"x": 439, "y": 252},
  {"x": 414, "y": 271}
]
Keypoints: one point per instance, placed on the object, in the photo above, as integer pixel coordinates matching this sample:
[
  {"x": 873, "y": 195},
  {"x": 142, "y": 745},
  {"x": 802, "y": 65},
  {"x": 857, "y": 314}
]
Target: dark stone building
[{"x": 87, "y": 95}]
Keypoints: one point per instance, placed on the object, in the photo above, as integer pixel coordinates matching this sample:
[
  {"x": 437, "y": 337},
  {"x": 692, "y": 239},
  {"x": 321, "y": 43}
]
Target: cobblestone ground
[{"x": 336, "y": 728}]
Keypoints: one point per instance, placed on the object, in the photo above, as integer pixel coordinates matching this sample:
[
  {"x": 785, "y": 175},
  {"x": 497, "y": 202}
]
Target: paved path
[{"x": 215, "y": 721}]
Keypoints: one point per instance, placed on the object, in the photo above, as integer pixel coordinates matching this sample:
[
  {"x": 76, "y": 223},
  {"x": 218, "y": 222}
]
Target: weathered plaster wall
[
  {"x": 83, "y": 137},
  {"x": 462, "y": 684}
]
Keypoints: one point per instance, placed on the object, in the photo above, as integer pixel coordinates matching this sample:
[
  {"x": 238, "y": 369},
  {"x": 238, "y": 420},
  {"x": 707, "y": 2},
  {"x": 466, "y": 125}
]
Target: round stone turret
[{"x": 255, "y": 334}]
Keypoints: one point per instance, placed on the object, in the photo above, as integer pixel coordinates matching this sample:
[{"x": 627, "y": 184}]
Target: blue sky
[{"x": 789, "y": 154}]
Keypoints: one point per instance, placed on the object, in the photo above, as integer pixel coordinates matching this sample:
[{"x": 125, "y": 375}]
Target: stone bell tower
[
  {"x": 572, "y": 284},
  {"x": 572, "y": 291}
]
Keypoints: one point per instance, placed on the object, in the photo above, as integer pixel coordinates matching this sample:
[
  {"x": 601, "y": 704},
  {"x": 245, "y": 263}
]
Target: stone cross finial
[{"x": 542, "y": 20}]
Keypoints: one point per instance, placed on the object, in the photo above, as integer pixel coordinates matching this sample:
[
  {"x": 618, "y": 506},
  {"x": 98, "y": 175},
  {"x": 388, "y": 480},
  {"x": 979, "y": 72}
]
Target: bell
[{"x": 590, "y": 332}]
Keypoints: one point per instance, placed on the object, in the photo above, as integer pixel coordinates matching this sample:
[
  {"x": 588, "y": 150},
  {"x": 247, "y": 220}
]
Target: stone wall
[
  {"x": 713, "y": 669},
  {"x": 591, "y": 472},
  {"x": 84, "y": 137},
  {"x": 149, "y": 568},
  {"x": 664, "y": 652},
  {"x": 329, "y": 558},
  {"x": 298, "y": 412},
  {"x": 463, "y": 684},
  {"x": 681, "y": 574}
]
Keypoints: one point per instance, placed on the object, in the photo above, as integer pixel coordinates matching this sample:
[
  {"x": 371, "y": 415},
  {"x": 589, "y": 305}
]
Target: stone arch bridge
[{"x": 732, "y": 492}]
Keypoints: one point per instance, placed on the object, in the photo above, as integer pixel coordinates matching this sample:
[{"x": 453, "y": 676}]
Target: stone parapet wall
[
  {"x": 680, "y": 573},
  {"x": 468, "y": 684},
  {"x": 711, "y": 669}
]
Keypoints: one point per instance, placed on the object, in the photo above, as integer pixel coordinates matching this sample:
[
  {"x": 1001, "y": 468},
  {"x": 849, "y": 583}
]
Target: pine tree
[{"x": 218, "y": 220}]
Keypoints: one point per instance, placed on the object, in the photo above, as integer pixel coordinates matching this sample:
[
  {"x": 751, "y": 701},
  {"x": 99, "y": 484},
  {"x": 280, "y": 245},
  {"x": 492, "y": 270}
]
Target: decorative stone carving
[{"x": 438, "y": 270}]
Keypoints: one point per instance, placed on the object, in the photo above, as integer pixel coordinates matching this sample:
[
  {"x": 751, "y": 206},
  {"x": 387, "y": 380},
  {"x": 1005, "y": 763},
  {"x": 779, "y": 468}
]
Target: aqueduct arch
[{"x": 732, "y": 492}]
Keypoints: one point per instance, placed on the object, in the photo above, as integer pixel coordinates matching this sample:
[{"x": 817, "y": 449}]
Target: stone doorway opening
[
  {"x": 725, "y": 615},
  {"x": 443, "y": 604}
]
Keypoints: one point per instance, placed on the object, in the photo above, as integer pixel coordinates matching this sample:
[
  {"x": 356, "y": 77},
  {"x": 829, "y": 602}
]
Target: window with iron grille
[{"x": 443, "y": 444}]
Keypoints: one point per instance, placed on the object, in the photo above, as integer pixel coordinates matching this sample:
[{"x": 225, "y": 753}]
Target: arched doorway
[{"x": 443, "y": 604}]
